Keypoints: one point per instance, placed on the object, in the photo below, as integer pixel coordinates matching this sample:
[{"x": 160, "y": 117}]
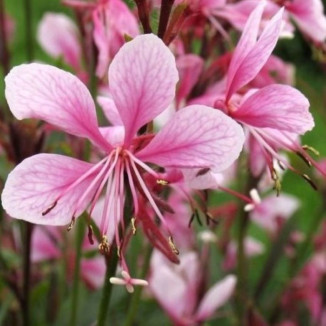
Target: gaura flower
[
  {"x": 54, "y": 189},
  {"x": 59, "y": 37},
  {"x": 275, "y": 115},
  {"x": 178, "y": 289}
]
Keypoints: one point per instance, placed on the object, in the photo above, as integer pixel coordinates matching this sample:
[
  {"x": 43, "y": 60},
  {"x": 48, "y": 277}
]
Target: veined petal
[
  {"x": 279, "y": 107},
  {"x": 35, "y": 184},
  {"x": 216, "y": 297},
  {"x": 142, "y": 79},
  {"x": 250, "y": 63},
  {"x": 197, "y": 136},
  {"x": 245, "y": 45},
  {"x": 45, "y": 92}
]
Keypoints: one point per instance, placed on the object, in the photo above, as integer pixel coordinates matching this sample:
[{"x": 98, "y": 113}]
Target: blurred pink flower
[
  {"x": 59, "y": 37},
  {"x": 177, "y": 287},
  {"x": 46, "y": 243}
]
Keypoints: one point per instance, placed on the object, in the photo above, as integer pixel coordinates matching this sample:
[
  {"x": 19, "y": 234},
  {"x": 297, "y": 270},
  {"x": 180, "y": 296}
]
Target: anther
[
  {"x": 71, "y": 224},
  {"x": 104, "y": 246},
  {"x": 277, "y": 183},
  {"x": 90, "y": 235},
  {"x": 304, "y": 158},
  {"x": 308, "y": 179},
  {"x": 162, "y": 182},
  {"x": 119, "y": 251},
  {"x": 172, "y": 246},
  {"x": 133, "y": 225},
  {"x": 48, "y": 210},
  {"x": 311, "y": 149}
]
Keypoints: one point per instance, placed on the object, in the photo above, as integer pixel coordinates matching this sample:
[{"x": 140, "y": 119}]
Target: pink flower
[
  {"x": 46, "y": 244},
  {"x": 177, "y": 289},
  {"x": 112, "y": 21},
  {"x": 58, "y": 36},
  {"x": 54, "y": 189},
  {"x": 275, "y": 114},
  {"x": 272, "y": 211},
  {"x": 310, "y": 18}
]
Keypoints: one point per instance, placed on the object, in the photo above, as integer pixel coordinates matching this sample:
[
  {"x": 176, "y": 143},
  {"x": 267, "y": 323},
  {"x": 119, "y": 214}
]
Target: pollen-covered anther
[
  {"x": 71, "y": 224},
  {"x": 104, "y": 246},
  {"x": 48, "y": 210},
  {"x": 277, "y": 182},
  {"x": 133, "y": 225},
  {"x": 310, "y": 149},
  {"x": 172, "y": 246},
  {"x": 162, "y": 182}
]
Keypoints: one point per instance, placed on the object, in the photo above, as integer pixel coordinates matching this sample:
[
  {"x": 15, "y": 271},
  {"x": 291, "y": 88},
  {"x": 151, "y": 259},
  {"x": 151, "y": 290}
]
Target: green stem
[
  {"x": 29, "y": 30},
  {"x": 76, "y": 281},
  {"x": 111, "y": 266},
  {"x": 28, "y": 230},
  {"x": 135, "y": 299},
  {"x": 242, "y": 298}
]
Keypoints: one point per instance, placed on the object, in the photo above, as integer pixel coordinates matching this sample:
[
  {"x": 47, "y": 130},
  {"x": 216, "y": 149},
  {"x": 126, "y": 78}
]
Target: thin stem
[
  {"x": 166, "y": 7},
  {"x": 27, "y": 230},
  {"x": 111, "y": 261},
  {"x": 242, "y": 299},
  {"x": 135, "y": 299},
  {"x": 76, "y": 281},
  {"x": 28, "y": 30},
  {"x": 143, "y": 15},
  {"x": 4, "y": 53},
  {"x": 273, "y": 258}
]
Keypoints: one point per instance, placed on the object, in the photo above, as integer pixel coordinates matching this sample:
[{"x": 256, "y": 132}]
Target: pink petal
[
  {"x": 112, "y": 21},
  {"x": 279, "y": 107},
  {"x": 197, "y": 136},
  {"x": 216, "y": 297},
  {"x": 244, "y": 46},
  {"x": 93, "y": 271},
  {"x": 55, "y": 96},
  {"x": 273, "y": 208},
  {"x": 58, "y": 36},
  {"x": 249, "y": 58},
  {"x": 34, "y": 185},
  {"x": 142, "y": 78},
  {"x": 189, "y": 67},
  {"x": 310, "y": 18},
  {"x": 44, "y": 244},
  {"x": 110, "y": 110}
]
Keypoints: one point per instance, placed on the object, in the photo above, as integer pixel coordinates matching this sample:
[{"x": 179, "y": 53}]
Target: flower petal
[
  {"x": 197, "y": 136},
  {"x": 142, "y": 79},
  {"x": 249, "y": 59},
  {"x": 34, "y": 185},
  {"x": 216, "y": 297},
  {"x": 279, "y": 107},
  {"x": 110, "y": 110},
  {"x": 58, "y": 36},
  {"x": 244, "y": 46},
  {"x": 55, "y": 96}
]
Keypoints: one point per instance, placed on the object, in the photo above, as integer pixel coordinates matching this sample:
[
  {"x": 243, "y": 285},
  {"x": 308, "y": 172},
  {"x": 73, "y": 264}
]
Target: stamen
[
  {"x": 162, "y": 182},
  {"x": 48, "y": 210},
  {"x": 90, "y": 235},
  {"x": 172, "y": 246},
  {"x": 308, "y": 179},
  {"x": 133, "y": 225},
  {"x": 311, "y": 149},
  {"x": 104, "y": 246},
  {"x": 71, "y": 224},
  {"x": 132, "y": 188},
  {"x": 142, "y": 164}
]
